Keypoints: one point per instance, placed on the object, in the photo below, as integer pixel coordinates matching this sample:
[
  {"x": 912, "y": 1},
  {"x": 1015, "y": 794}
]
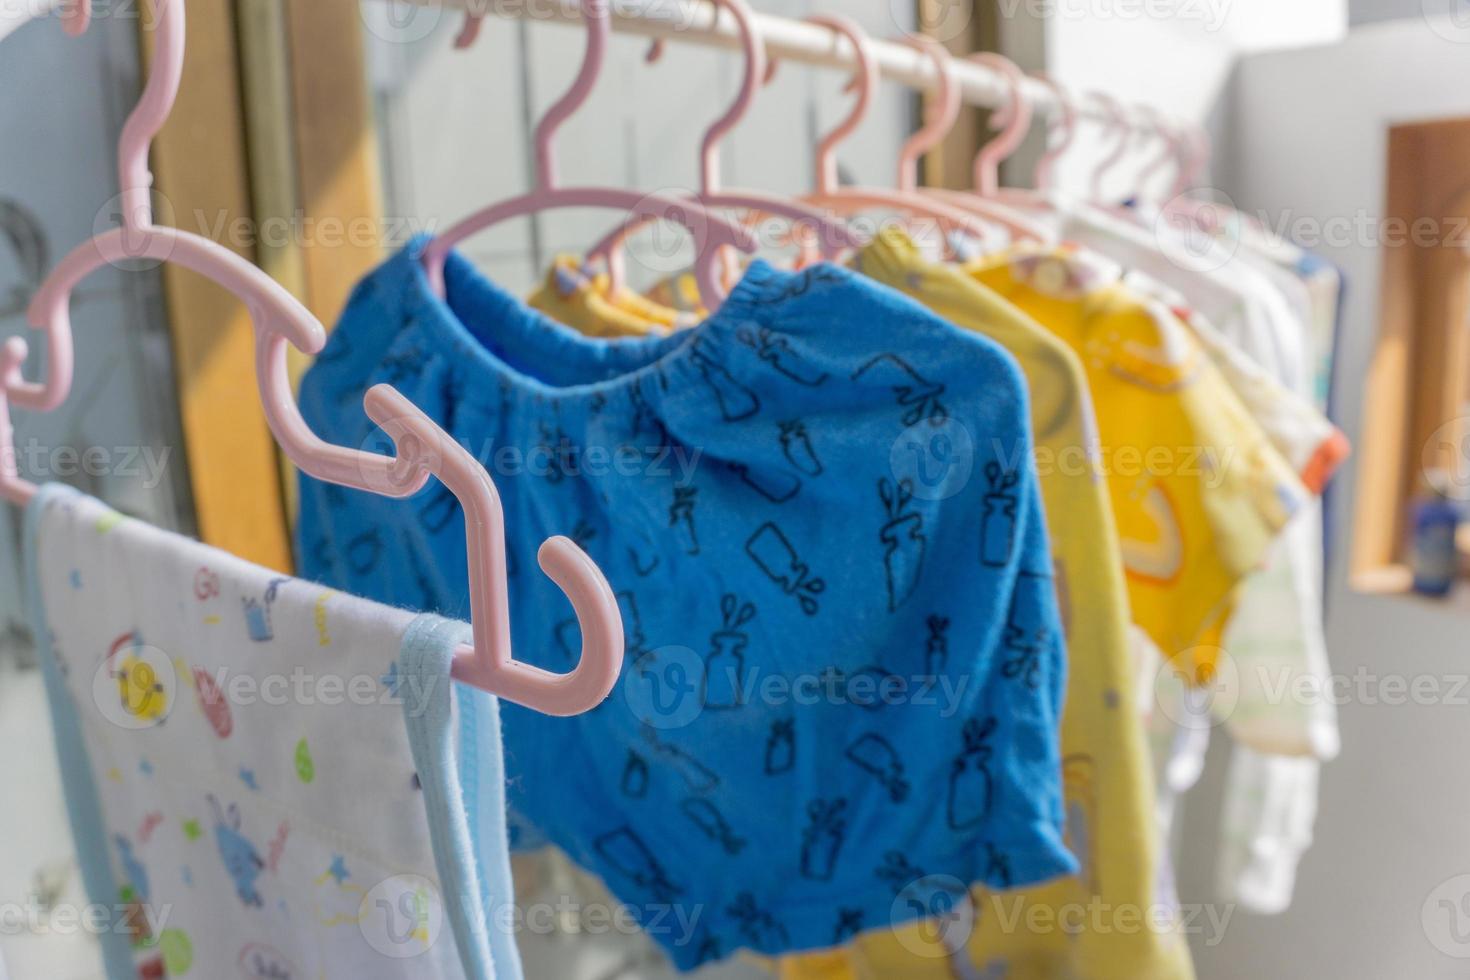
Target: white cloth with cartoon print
[{"x": 259, "y": 796}]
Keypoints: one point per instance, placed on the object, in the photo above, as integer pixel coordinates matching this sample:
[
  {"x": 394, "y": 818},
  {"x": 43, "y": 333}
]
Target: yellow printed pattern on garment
[{"x": 1198, "y": 491}]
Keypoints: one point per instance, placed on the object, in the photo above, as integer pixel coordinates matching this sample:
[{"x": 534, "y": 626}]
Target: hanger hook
[
  {"x": 1174, "y": 151},
  {"x": 1119, "y": 123},
  {"x": 757, "y": 73},
  {"x": 421, "y": 448},
  {"x": 864, "y": 81},
  {"x": 943, "y": 112},
  {"x": 599, "y": 25},
  {"x": 1195, "y": 143},
  {"x": 1014, "y": 120},
  {"x": 1045, "y": 174},
  {"x": 152, "y": 110}
]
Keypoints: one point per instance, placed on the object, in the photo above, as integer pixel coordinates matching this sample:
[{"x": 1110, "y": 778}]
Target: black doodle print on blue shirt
[
  {"x": 758, "y": 927},
  {"x": 439, "y": 509},
  {"x": 365, "y": 551},
  {"x": 405, "y": 365},
  {"x": 635, "y": 776},
  {"x": 1027, "y": 635},
  {"x": 723, "y": 684},
  {"x": 735, "y": 400},
  {"x": 822, "y": 838},
  {"x": 644, "y": 564},
  {"x": 998, "y": 532},
  {"x": 916, "y": 394},
  {"x": 863, "y": 687},
  {"x": 936, "y": 647},
  {"x": 770, "y": 549},
  {"x": 971, "y": 786},
  {"x": 598, "y": 403},
  {"x": 699, "y": 777},
  {"x": 776, "y": 350},
  {"x": 582, "y": 534},
  {"x": 875, "y": 755},
  {"x": 849, "y": 924},
  {"x": 796, "y": 444},
  {"x": 997, "y": 866},
  {"x": 557, "y": 447},
  {"x": 898, "y": 872},
  {"x": 707, "y": 817},
  {"x": 643, "y": 415},
  {"x": 904, "y": 541},
  {"x": 628, "y": 854},
  {"x": 776, "y": 486},
  {"x": 681, "y": 518},
  {"x": 800, "y": 284},
  {"x": 781, "y": 747}
]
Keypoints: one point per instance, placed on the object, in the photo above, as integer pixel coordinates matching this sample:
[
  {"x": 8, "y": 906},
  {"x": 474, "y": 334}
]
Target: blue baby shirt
[{"x": 820, "y": 515}]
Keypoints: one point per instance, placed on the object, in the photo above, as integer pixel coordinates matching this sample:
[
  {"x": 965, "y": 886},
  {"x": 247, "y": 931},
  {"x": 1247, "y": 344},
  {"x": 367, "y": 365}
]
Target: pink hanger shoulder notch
[
  {"x": 946, "y": 112},
  {"x": 711, "y": 232},
  {"x": 852, "y": 200},
  {"x": 833, "y": 237},
  {"x": 421, "y": 448}
]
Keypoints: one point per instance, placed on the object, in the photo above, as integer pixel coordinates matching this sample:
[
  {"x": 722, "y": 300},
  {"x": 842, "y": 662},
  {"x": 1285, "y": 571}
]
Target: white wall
[
  {"x": 1309, "y": 141},
  {"x": 1373, "y": 11},
  {"x": 1175, "y": 55}
]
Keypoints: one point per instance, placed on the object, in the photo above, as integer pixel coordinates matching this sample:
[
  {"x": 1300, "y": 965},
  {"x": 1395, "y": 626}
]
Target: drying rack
[{"x": 691, "y": 22}]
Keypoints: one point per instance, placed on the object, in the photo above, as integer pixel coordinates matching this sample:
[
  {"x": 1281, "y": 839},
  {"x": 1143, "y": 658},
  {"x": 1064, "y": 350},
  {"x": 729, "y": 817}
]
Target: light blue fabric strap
[
  {"x": 473, "y": 890},
  {"x": 83, "y": 803}
]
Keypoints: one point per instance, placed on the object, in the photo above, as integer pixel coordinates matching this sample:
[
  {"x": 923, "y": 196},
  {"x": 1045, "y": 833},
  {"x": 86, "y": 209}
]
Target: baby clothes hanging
[
  {"x": 586, "y": 302},
  {"x": 1199, "y": 493},
  {"x": 1107, "y": 780},
  {"x": 798, "y": 591},
  {"x": 259, "y": 769}
]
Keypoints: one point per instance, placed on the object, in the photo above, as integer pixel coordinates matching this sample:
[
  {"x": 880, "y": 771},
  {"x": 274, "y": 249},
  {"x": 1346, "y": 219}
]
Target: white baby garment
[{"x": 259, "y": 770}]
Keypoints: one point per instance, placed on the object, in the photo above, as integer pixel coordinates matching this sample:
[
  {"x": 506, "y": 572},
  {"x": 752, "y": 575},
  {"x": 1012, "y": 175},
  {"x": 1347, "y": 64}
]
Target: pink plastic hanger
[
  {"x": 711, "y": 232},
  {"x": 945, "y": 112},
  {"x": 833, "y": 237},
  {"x": 1120, "y": 125},
  {"x": 1042, "y": 195},
  {"x": 1015, "y": 119},
  {"x": 1173, "y": 153},
  {"x": 854, "y": 200},
  {"x": 421, "y": 447}
]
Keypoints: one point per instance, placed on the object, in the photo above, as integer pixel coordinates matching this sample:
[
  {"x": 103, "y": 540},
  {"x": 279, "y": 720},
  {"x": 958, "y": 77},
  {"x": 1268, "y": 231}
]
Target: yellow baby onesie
[
  {"x": 1108, "y": 781},
  {"x": 574, "y": 297},
  {"x": 1199, "y": 493}
]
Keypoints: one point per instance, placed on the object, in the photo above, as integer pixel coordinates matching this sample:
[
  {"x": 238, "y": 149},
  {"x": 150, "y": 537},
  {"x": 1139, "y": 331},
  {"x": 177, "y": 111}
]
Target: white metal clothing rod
[{"x": 785, "y": 39}]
